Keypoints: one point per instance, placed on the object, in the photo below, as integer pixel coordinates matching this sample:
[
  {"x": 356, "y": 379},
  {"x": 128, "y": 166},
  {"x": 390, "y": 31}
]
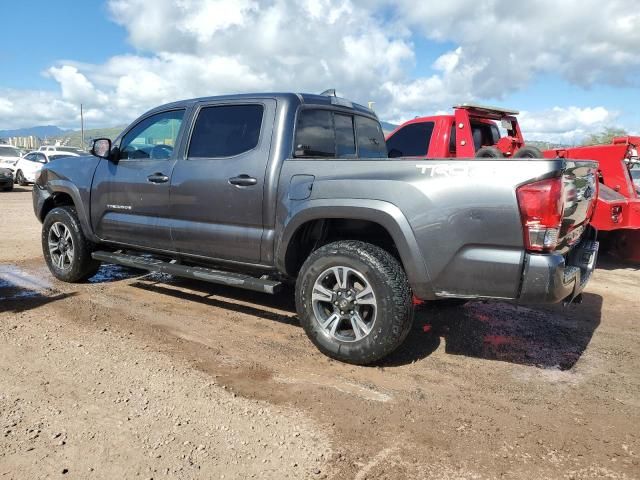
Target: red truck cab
[{"x": 471, "y": 129}]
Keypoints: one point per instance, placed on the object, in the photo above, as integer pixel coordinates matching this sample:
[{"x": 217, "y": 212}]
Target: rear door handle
[
  {"x": 158, "y": 178},
  {"x": 243, "y": 180}
]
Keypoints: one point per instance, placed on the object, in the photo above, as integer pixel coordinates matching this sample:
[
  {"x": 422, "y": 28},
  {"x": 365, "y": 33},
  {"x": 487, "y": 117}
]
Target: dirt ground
[{"x": 148, "y": 376}]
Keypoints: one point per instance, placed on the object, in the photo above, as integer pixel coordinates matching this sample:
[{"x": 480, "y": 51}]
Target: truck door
[
  {"x": 217, "y": 188},
  {"x": 130, "y": 197}
]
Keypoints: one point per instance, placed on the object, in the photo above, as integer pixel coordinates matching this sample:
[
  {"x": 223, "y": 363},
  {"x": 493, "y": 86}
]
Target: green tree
[{"x": 605, "y": 136}]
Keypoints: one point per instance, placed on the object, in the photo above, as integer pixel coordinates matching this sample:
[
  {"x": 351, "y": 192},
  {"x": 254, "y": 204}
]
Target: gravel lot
[{"x": 147, "y": 376}]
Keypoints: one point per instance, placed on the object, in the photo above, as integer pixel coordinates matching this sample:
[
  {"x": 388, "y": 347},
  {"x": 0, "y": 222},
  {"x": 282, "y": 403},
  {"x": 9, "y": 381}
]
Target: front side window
[
  {"x": 412, "y": 140},
  {"x": 153, "y": 138},
  {"x": 226, "y": 131},
  {"x": 371, "y": 142}
]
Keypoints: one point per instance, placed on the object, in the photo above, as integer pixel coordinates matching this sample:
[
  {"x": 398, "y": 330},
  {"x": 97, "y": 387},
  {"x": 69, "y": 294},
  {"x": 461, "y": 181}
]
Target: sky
[{"x": 572, "y": 67}]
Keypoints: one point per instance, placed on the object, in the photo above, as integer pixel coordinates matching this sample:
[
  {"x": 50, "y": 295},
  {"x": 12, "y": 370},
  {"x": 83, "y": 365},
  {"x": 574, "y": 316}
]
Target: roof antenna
[{"x": 331, "y": 92}]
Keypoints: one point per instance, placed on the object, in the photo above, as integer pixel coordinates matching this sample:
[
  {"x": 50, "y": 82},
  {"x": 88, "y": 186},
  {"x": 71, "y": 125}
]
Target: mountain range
[{"x": 41, "y": 131}]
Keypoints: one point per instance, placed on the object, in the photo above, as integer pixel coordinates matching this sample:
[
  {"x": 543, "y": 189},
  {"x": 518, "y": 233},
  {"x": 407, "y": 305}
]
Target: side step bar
[{"x": 197, "y": 273}]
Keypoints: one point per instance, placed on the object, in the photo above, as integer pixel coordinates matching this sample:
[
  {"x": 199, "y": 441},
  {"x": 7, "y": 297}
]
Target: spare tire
[
  {"x": 528, "y": 152},
  {"x": 489, "y": 152}
]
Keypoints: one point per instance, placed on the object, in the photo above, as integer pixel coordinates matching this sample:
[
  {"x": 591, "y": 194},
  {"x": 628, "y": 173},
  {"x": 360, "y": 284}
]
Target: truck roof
[
  {"x": 486, "y": 110},
  {"x": 287, "y": 97}
]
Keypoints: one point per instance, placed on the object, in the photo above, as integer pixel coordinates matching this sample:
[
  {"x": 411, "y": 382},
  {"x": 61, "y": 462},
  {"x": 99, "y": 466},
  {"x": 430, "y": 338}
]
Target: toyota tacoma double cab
[{"x": 258, "y": 191}]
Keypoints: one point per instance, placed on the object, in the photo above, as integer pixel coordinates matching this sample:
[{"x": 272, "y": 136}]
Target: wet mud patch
[{"x": 546, "y": 337}]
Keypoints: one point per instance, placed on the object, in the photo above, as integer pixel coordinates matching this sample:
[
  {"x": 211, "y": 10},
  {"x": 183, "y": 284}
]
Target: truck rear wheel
[
  {"x": 528, "y": 151},
  {"x": 354, "y": 301},
  {"x": 66, "y": 250},
  {"x": 489, "y": 152}
]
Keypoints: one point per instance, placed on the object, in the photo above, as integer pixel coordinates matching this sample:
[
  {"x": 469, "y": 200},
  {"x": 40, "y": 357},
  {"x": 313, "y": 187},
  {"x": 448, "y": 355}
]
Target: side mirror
[
  {"x": 101, "y": 148},
  {"x": 394, "y": 153}
]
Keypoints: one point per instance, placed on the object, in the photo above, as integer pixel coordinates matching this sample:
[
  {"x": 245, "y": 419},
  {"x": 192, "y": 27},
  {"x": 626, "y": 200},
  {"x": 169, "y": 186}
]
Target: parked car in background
[
  {"x": 6, "y": 179},
  {"x": 9, "y": 157},
  {"x": 29, "y": 165},
  {"x": 59, "y": 149}
]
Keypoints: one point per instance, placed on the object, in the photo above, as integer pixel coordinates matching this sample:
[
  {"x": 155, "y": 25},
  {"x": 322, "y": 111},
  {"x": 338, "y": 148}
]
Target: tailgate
[{"x": 580, "y": 181}]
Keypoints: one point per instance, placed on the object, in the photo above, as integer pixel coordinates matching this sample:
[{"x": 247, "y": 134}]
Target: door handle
[
  {"x": 243, "y": 180},
  {"x": 158, "y": 178}
]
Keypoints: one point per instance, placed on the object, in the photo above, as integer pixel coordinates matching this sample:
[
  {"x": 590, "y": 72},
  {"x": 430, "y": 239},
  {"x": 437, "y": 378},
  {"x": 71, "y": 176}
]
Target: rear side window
[
  {"x": 411, "y": 141},
  {"x": 345, "y": 138},
  {"x": 324, "y": 133},
  {"x": 315, "y": 136},
  {"x": 226, "y": 131},
  {"x": 371, "y": 142}
]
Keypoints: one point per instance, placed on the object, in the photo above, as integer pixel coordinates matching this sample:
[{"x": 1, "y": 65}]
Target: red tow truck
[
  {"x": 473, "y": 131},
  {"x": 617, "y": 215}
]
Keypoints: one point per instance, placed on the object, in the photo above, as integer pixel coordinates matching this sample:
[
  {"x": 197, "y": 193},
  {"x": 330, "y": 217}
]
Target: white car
[
  {"x": 9, "y": 157},
  {"x": 59, "y": 149},
  {"x": 29, "y": 165}
]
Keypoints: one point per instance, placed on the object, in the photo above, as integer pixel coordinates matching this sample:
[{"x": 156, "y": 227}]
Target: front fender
[
  {"x": 65, "y": 186},
  {"x": 383, "y": 213}
]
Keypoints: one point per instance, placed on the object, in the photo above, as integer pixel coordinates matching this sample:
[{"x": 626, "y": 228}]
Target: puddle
[
  {"x": 16, "y": 283},
  {"x": 112, "y": 273}
]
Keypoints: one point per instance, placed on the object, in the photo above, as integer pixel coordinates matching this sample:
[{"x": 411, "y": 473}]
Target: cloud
[
  {"x": 585, "y": 41},
  {"x": 566, "y": 125},
  {"x": 364, "y": 48},
  {"x": 30, "y": 107}
]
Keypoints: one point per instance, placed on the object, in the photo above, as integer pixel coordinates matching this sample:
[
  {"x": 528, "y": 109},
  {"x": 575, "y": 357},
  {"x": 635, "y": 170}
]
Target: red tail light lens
[{"x": 541, "y": 209}]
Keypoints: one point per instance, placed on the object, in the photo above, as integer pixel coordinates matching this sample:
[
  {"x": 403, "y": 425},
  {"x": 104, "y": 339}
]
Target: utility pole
[{"x": 81, "y": 127}]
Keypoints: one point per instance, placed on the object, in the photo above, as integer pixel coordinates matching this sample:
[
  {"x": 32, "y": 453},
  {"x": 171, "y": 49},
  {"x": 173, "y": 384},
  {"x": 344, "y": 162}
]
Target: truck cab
[{"x": 471, "y": 131}]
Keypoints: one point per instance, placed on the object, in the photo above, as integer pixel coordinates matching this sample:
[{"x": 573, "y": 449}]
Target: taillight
[{"x": 541, "y": 209}]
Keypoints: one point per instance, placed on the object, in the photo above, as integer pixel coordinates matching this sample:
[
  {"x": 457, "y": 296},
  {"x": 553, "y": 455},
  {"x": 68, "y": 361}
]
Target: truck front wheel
[
  {"x": 66, "y": 250},
  {"x": 354, "y": 301}
]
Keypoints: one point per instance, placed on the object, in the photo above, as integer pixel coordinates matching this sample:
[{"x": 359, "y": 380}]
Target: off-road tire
[
  {"x": 393, "y": 294},
  {"x": 82, "y": 265},
  {"x": 489, "y": 152},
  {"x": 528, "y": 151}
]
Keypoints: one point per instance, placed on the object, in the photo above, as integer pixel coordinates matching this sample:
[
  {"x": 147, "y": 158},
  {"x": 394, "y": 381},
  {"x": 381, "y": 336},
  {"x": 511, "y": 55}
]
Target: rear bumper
[{"x": 555, "y": 278}]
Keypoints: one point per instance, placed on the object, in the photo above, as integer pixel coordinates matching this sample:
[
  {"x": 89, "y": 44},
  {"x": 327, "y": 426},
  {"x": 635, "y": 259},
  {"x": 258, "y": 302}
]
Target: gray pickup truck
[{"x": 260, "y": 190}]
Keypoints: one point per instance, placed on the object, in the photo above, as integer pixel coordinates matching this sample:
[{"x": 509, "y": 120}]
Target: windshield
[
  {"x": 9, "y": 152},
  {"x": 68, "y": 149}
]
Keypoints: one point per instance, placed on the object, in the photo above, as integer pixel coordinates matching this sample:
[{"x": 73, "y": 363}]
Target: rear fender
[{"x": 384, "y": 214}]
